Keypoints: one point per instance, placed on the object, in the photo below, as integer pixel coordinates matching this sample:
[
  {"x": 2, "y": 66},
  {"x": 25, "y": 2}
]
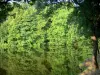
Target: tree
[
  {"x": 27, "y": 28},
  {"x": 90, "y": 10}
]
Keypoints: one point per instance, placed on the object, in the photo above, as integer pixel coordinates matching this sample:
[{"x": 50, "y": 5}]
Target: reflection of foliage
[
  {"x": 47, "y": 65},
  {"x": 28, "y": 33}
]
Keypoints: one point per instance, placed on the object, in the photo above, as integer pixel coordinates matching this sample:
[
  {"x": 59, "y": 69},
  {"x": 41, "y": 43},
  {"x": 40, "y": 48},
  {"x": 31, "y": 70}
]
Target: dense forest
[{"x": 41, "y": 37}]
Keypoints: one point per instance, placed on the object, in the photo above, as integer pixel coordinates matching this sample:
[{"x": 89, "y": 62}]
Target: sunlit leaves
[{"x": 42, "y": 42}]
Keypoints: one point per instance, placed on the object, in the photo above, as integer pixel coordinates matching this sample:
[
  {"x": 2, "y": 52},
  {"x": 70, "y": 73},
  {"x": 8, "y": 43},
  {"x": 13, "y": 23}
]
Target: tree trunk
[
  {"x": 95, "y": 50},
  {"x": 95, "y": 45}
]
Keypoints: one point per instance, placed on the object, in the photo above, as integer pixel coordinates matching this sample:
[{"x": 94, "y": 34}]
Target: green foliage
[{"x": 42, "y": 43}]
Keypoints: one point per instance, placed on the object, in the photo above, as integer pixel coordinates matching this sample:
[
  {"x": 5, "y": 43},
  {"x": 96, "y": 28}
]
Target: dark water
[{"x": 3, "y": 71}]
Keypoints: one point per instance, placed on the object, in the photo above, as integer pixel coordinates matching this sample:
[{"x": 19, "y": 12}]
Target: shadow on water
[{"x": 3, "y": 71}]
